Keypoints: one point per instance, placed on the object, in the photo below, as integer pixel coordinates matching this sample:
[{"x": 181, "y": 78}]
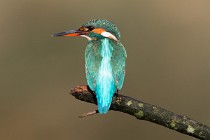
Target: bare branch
[{"x": 148, "y": 112}]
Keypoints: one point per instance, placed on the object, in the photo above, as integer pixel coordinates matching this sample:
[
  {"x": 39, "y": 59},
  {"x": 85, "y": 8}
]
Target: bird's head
[{"x": 94, "y": 30}]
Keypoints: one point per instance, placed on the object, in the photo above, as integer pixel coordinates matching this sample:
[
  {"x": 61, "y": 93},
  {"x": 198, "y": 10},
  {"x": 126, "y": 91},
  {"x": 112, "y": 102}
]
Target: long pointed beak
[{"x": 69, "y": 33}]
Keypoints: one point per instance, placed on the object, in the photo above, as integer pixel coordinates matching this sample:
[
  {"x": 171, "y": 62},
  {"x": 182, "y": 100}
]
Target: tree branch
[{"x": 148, "y": 112}]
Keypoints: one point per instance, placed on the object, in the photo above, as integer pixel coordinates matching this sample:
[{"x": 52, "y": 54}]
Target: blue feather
[
  {"x": 105, "y": 64},
  {"x": 105, "y": 85}
]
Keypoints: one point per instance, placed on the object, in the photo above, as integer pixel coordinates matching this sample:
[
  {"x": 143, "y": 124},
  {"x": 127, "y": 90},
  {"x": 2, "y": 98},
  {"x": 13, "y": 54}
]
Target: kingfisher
[{"x": 105, "y": 59}]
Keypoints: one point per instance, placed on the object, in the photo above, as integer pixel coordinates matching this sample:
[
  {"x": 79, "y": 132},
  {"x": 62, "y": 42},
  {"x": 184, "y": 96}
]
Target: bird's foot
[
  {"x": 88, "y": 114},
  {"x": 117, "y": 93}
]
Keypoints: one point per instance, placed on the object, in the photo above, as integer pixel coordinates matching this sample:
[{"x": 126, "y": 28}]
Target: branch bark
[{"x": 148, "y": 112}]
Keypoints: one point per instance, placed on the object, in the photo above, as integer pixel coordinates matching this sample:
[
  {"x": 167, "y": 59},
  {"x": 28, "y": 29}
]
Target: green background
[{"x": 168, "y": 47}]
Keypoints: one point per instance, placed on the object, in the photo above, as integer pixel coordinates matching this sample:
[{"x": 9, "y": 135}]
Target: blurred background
[{"x": 168, "y": 47}]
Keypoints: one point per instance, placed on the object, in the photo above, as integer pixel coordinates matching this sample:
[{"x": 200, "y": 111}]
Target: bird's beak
[{"x": 70, "y": 33}]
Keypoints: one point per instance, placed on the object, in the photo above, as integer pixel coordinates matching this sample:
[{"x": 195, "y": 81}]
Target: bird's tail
[{"x": 104, "y": 93}]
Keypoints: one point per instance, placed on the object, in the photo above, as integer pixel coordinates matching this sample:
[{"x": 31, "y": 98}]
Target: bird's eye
[
  {"x": 90, "y": 28},
  {"x": 82, "y": 28}
]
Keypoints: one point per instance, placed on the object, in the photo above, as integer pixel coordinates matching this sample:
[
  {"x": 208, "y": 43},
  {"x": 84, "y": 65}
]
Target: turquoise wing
[
  {"x": 118, "y": 64},
  {"x": 92, "y": 63}
]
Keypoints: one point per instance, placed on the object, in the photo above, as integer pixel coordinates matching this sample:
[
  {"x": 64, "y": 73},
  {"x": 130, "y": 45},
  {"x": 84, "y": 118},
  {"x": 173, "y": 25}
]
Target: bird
[{"x": 105, "y": 59}]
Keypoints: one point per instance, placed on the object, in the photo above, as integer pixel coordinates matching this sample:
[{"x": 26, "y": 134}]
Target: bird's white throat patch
[
  {"x": 105, "y": 34},
  {"x": 109, "y": 35},
  {"x": 85, "y": 36}
]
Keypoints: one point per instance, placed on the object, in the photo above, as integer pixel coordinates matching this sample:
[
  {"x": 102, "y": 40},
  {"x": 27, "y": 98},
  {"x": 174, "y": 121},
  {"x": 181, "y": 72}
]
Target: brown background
[{"x": 168, "y": 47}]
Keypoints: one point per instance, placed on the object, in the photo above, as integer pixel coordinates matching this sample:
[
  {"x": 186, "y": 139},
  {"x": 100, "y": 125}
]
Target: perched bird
[{"x": 105, "y": 58}]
